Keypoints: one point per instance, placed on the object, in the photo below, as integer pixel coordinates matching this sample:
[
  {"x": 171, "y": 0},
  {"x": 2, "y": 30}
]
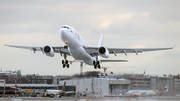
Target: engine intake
[
  {"x": 49, "y": 51},
  {"x": 104, "y": 52}
]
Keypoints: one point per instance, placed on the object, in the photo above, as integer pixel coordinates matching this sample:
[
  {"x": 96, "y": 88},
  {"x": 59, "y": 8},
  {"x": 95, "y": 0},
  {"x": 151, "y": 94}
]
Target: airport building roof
[{"x": 29, "y": 85}]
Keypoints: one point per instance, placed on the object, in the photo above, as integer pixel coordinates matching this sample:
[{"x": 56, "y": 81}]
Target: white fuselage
[
  {"x": 54, "y": 92},
  {"x": 142, "y": 92},
  {"x": 75, "y": 42}
]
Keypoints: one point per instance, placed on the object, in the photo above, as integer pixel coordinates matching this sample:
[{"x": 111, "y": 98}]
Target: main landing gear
[
  {"x": 96, "y": 65},
  {"x": 65, "y": 63}
]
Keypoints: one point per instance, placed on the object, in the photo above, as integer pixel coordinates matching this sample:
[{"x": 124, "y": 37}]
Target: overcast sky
[{"x": 124, "y": 23}]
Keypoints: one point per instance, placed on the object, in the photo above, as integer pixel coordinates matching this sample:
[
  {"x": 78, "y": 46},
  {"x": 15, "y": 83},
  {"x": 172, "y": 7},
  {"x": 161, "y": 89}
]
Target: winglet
[
  {"x": 4, "y": 44},
  {"x": 173, "y": 46}
]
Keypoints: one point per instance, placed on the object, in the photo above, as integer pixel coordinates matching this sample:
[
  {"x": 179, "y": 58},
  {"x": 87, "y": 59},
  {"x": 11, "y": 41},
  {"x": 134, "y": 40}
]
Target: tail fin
[
  {"x": 64, "y": 86},
  {"x": 166, "y": 88},
  {"x": 100, "y": 41}
]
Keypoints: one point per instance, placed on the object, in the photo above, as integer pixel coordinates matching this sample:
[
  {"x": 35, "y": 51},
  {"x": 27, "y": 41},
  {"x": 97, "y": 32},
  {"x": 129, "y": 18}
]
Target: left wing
[
  {"x": 94, "y": 50},
  {"x": 57, "y": 49}
]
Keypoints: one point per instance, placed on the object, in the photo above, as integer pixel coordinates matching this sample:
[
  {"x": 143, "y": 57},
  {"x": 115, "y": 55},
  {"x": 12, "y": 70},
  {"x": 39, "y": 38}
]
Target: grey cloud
[{"x": 124, "y": 23}]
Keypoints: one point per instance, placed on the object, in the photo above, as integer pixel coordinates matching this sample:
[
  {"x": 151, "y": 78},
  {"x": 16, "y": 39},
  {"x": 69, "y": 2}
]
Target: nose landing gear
[{"x": 65, "y": 62}]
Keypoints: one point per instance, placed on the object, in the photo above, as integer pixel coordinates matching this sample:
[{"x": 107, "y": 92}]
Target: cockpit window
[{"x": 65, "y": 27}]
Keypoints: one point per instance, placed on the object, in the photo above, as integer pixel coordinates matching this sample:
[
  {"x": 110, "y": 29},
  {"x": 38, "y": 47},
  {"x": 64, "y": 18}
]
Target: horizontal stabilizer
[{"x": 114, "y": 61}]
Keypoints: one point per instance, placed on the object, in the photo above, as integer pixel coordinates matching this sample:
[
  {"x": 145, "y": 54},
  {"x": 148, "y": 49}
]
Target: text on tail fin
[
  {"x": 167, "y": 85},
  {"x": 166, "y": 88}
]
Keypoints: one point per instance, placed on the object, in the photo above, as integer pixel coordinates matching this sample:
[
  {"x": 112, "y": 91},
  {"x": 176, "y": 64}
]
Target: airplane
[
  {"x": 14, "y": 88},
  {"x": 53, "y": 93},
  {"x": 138, "y": 93},
  {"x": 81, "y": 51},
  {"x": 154, "y": 75}
]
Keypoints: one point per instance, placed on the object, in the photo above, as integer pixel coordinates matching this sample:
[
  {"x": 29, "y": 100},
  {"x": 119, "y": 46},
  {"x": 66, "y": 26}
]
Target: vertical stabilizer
[
  {"x": 166, "y": 88},
  {"x": 100, "y": 41},
  {"x": 64, "y": 86}
]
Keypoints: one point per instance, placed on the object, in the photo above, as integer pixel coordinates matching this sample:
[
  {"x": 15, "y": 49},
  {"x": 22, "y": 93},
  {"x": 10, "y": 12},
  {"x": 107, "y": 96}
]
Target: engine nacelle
[
  {"x": 49, "y": 51},
  {"x": 104, "y": 52}
]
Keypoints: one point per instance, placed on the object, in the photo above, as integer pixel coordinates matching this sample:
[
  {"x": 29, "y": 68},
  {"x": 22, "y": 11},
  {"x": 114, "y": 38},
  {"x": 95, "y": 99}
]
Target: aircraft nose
[{"x": 62, "y": 33}]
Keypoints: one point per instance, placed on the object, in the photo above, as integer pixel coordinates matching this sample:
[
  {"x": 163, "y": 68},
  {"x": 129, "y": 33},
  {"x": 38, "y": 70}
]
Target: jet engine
[
  {"x": 49, "y": 51},
  {"x": 104, "y": 52}
]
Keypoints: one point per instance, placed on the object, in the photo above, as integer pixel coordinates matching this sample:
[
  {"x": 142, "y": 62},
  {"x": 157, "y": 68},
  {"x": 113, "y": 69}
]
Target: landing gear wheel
[
  {"x": 67, "y": 65},
  {"x": 64, "y": 65},
  {"x": 97, "y": 63},
  {"x": 51, "y": 96},
  {"x": 66, "y": 61},
  {"x": 94, "y": 63},
  {"x": 99, "y": 66},
  {"x": 62, "y": 61},
  {"x": 94, "y": 66}
]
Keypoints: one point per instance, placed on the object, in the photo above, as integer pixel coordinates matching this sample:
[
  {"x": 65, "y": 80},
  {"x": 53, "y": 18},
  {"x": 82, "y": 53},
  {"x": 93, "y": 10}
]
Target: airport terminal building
[
  {"x": 99, "y": 85},
  {"x": 113, "y": 86}
]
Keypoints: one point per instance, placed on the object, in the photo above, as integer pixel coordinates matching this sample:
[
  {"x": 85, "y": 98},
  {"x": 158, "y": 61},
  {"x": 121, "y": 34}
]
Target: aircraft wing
[
  {"x": 94, "y": 50},
  {"x": 57, "y": 49},
  {"x": 134, "y": 50}
]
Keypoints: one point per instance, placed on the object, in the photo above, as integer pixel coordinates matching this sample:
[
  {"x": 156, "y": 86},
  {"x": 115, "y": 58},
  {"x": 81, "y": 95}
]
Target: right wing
[
  {"x": 134, "y": 50},
  {"x": 93, "y": 50}
]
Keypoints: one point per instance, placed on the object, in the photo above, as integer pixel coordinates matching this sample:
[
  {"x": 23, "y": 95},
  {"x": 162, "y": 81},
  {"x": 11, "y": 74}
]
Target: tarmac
[{"x": 154, "y": 98}]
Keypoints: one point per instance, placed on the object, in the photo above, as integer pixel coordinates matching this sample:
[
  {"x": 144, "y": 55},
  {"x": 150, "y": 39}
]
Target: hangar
[{"x": 99, "y": 86}]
